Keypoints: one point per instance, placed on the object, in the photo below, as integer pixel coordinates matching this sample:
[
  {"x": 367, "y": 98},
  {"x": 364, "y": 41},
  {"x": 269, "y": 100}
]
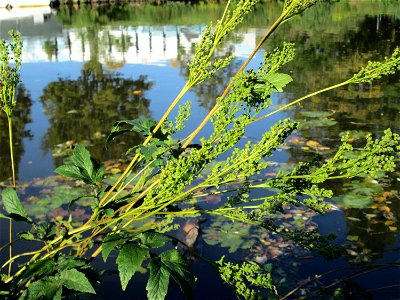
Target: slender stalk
[
  {"x": 301, "y": 99},
  {"x": 10, "y": 247},
  {"x": 10, "y": 135}
]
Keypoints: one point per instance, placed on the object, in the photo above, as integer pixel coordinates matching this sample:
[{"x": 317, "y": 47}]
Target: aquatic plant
[{"x": 166, "y": 178}]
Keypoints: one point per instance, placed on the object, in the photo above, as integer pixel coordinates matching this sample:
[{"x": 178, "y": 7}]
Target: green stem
[
  {"x": 136, "y": 157},
  {"x": 10, "y": 135},
  {"x": 301, "y": 99}
]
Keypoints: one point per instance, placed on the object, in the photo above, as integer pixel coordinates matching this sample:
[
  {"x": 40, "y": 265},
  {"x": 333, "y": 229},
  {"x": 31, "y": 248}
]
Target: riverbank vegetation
[{"x": 134, "y": 214}]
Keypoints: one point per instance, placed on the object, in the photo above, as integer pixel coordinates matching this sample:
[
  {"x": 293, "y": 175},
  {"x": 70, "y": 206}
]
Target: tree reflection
[
  {"x": 84, "y": 110},
  {"x": 21, "y": 116},
  {"x": 362, "y": 108}
]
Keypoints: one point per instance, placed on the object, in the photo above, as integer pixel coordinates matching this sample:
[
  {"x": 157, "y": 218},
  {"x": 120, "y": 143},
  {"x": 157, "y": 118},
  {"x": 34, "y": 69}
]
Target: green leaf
[
  {"x": 46, "y": 231},
  {"x": 65, "y": 262},
  {"x": 28, "y": 236},
  {"x": 81, "y": 159},
  {"x": 111, "y": 241},
  {"x": 58, "y": 294},
  {"x": 157, "y": 286},
  {"x": 143, "y": 126},
  {"x": 178, "y": 267},
  {"x": 48, "y": 288},
  {"x": 75, "y": 280},
  {"x": 13, "y": 205},
  {"x": 39, "y": 268},
  {"x": 175, "y": 261},
  {"x": 4, "y": 216},
  {"x": 99, "y": 174},
  {"x": 278, "y": 80},
  {"x": 70, "y": 171},
  {"x": 82, "y": 167},
  {"x": 153, "y": 239},
  {"x": 129, "y": 260},
  {"x": 169, "y": 263}
]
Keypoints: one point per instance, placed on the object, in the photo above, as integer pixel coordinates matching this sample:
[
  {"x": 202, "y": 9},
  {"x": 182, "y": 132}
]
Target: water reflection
[
  {"x": 371, "y": 208},
  {"x": 20, "y": 117},
  {"x": 84, "y": 109},
  {"x": 332, "y": 42}
]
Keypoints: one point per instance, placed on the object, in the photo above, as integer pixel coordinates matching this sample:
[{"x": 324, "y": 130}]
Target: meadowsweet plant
[
  {"x": 10, "y": 53},
  {"x": 167, "y": 177},
  {"x": 10, "y": 64}
]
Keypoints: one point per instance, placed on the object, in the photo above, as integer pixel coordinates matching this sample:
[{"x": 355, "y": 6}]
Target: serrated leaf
[
  {"x": 58, "y": 294},
  {"x": 81, "y": 159},
  {"x": 75, "y": 280},
  {"x": 13, "y": 205},
  {"x": 99, "y": 174},
  {"x": 179, "y": 269},
  {"x": 28, "y": 236},
  {"x": 175, "y": 261},
  {"x": 82, "y": 166},
  {"x": 46, "y": 231},
  {"x": 142, "y": 126},
  {"x": 129, "y": 260},
  {"x": 278, "y": 80},
  {"x": 48, "y": 288},
  {"x": 110, "y": 242},
  {"x": 69, "y": 262},
  {"x": 153, "y": 239},
  {"x": 70, "y": 171},
  {"x": 157, "y": 285}
]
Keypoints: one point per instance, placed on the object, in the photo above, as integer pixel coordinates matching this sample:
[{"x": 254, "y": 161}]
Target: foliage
[
  {"x": 166, "y": 177},
  {"x": 242, "y": 277},
  {"x": 9, "y": 75}
]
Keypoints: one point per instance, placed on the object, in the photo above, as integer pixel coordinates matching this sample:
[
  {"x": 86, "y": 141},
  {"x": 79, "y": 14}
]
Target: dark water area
[{"x": 85, "y": 68}]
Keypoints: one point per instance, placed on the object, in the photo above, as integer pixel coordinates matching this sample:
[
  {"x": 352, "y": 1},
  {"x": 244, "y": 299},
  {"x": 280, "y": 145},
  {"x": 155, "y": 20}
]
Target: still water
[{"x": 85, "y": 68}]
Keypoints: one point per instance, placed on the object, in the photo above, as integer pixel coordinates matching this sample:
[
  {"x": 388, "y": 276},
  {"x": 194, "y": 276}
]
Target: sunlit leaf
[
  {"x": 110, "y": 242},
  {"x": 278, "y": 80},
  {"x": 75, "y": 280},
  {"x": 69, "y": 171},
  {"x": 28, "y": 236},
  {"x": 153, "y": 239},
  {"x": 157, "y": 285},
  {"x": 13, "y": 205},
  {"x": 48, "y": 288},
  {"x": 81, "y": 159},
  {"x": 179, "y": 269},
  {"x": 142, "y": 126},
  {"x": 129, "y": 260}
]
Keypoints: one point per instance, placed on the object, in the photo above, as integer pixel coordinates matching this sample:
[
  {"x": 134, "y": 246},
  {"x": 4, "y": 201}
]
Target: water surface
[{"x": 85, "y": 68}]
